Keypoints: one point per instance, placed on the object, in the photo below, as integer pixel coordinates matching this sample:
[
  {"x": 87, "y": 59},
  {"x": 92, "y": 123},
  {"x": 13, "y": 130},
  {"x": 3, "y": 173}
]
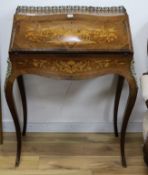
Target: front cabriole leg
[
  {"x": 21, "y": 87},
  {"x": 11, "y": 76},
  {"x": 133, "y": 89},
  {"x": 119, "y": 87}
]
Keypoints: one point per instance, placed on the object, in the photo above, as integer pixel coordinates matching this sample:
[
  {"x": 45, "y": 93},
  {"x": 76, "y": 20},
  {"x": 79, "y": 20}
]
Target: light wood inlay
[{"x": 88, "y": 29}]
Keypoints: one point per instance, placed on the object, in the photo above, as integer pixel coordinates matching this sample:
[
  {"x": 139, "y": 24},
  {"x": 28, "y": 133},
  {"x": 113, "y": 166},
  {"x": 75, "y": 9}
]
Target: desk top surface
[{"x": 71, "y": 29}]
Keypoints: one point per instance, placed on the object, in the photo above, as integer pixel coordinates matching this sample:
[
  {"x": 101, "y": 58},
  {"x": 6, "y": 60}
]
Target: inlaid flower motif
[{"x": 55, "y": 35}]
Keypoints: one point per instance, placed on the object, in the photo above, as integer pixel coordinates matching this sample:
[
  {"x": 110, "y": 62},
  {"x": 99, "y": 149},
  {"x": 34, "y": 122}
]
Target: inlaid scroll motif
[
  {"x": 70, "y": 36},
  {"x": 72, "y": 66}
]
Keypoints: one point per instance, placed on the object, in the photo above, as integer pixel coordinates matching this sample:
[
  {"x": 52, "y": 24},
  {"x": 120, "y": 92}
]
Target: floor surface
[{"x": 72, "y": 154}]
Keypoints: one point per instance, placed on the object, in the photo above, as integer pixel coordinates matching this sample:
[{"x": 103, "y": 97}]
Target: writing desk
[{"x": 71, "y": 42}]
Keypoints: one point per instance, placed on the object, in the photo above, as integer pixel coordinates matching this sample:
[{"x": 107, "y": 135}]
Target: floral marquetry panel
[
  {"x": 70, "y": 66},
  {"x": 71, "y": 29}
]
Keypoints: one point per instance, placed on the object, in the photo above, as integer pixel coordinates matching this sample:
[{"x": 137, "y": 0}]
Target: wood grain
[
  {"x": 64, "y": 154},
  {"x": 83, "y": 31}
]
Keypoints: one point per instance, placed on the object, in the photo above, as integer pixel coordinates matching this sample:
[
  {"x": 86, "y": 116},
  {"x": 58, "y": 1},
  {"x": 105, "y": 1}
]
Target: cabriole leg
[
  {"x": 21, "y": 87},
  {"x": 129, "y": 107},
  {"x": 120, "y": 82},
  {"x": 12, "y": 108}
]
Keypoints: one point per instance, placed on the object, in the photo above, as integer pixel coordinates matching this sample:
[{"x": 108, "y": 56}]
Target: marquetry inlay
[
  {"x": 71, "y": 27},
  {"x": 71, "y": 66},
  {"x": 66, "y": 35}
]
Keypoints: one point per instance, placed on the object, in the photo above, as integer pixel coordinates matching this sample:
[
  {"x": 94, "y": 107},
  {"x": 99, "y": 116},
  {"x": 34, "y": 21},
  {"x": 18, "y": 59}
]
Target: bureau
[{"x": 71, "y": 42}]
